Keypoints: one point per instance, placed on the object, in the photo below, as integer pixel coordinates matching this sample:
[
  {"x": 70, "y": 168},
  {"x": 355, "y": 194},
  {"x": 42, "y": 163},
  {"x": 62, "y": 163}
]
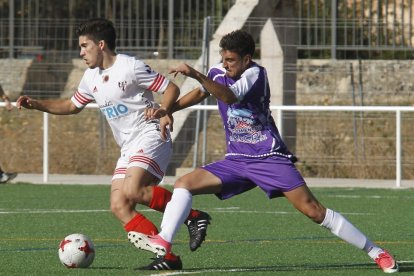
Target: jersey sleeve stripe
[
  {"x": 157, "y": 83},
  {"x": 154, "y": 83},
  {"x": 81, "y": 99},
  {"x": 160, "y": 82}
]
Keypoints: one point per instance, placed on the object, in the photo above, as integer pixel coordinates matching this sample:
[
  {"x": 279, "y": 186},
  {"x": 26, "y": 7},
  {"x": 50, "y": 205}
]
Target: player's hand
[
  {"x": 166, "y": 124},
  {"x": 26, "y": 102},
  {"x": 154, "y": 113},
  {"x": 183, "y": 68}
]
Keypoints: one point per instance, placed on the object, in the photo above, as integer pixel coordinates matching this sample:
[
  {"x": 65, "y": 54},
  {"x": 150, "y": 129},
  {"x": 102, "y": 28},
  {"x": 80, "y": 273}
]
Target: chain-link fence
[{"x": 347, "y": 144}]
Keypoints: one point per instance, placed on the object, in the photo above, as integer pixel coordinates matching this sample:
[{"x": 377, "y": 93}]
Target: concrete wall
[
  {"x": 319, "y": 82},
  {"x": 13, "y": 74},
  {"x": 325, "y": 82},
  {"x": 373, "y": 82}
]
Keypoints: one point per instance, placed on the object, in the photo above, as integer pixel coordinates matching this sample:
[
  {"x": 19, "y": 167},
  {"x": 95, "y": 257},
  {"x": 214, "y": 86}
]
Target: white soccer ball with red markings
[{"x": 76, "y": 251}]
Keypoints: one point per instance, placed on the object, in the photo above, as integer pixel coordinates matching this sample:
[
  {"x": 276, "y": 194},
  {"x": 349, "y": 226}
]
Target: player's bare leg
[{"x": 124, "y": 197}]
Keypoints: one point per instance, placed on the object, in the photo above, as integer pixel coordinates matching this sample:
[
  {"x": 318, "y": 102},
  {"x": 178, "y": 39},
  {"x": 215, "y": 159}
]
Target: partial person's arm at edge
[{"x": 52, "y": 106}]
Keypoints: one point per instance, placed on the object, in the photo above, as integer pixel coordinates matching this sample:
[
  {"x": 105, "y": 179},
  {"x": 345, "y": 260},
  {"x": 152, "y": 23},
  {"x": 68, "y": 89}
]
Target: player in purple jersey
[{"x": 256, "y": 154}]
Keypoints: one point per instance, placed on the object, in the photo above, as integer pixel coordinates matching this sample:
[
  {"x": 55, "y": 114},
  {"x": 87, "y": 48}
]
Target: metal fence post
[
  {"x": 45, "y": 147},
  {"x": 206, "y": 58},
  {"x": 334, "y": 9},
  {"x": 170, "y": 29},
  {"x": 11, "y": 28},
  {"x": 398, "y": 148}
]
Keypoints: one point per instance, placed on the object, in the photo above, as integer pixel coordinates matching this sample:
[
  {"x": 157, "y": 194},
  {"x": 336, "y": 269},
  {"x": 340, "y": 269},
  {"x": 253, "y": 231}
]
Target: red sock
[
  {"x": 141, "y": 224},
  {"x": 160, "y": 198},
  {"x": 193, "y": 214},
  {"x": 171, "y": 256}
]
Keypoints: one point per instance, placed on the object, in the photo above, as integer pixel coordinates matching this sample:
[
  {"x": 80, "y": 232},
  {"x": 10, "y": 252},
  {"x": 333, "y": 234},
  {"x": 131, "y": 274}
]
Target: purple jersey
[{"x": 249, "y": 126}]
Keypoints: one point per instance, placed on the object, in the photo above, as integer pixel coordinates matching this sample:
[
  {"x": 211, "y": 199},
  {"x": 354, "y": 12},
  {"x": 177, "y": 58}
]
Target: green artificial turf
[{"x": 249, "y": 234}]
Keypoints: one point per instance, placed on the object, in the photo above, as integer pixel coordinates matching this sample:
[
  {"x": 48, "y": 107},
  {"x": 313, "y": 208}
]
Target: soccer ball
[{"x": 76, "y": 251}]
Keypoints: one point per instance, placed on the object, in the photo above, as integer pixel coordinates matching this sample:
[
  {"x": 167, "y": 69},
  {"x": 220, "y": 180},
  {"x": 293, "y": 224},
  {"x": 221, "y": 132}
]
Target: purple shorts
[{"x": 274, "y": 175}]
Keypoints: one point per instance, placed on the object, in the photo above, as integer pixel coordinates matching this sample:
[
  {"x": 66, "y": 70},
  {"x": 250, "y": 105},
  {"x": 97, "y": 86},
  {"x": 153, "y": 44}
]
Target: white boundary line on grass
[
  {"x": 28, "y": 211},
  {"x": 165, "y": 273},
  {"x": 206, "y": 271},
  {"x": 215, "y": 210},
  {"x": 368, "y": 196}
]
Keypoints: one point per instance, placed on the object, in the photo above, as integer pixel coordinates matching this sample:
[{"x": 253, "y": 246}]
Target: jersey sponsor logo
[
  {"x": 114, "y": 111},
  {"x": 244, "y": 127}
]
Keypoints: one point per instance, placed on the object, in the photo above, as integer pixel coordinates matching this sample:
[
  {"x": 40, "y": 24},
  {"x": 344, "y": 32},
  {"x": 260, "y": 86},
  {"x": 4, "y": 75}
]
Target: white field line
[
  {"x": 369, "y": 196},
  {"x": 214, "y": 210},
  {"x": 207, "y": 271},
  {"x": 4, "y": 211},
  {"x": 28, "y": 211}
]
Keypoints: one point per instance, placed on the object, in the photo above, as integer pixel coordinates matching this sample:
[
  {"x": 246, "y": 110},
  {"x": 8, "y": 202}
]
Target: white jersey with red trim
[{"x": 122, "y": 92}]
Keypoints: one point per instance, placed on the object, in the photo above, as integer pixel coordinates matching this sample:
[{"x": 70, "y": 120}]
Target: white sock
[
  {"x": 176, "y": 212},
  {"x": 345, "y": 230},
  {"x": 374, "y": 252}
]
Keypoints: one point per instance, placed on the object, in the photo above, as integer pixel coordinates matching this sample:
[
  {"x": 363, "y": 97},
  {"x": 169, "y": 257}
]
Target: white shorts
[{"x": 147, "y": 151}]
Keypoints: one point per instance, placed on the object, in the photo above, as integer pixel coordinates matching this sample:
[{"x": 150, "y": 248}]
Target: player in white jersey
[{"x": 123, "y": 88}]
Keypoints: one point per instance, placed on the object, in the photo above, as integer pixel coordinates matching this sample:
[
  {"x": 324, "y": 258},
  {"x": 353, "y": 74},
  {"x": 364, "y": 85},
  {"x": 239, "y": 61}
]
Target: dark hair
[
  {"x": 238, "y": 41},
  {"x": 98, "y": 29}
]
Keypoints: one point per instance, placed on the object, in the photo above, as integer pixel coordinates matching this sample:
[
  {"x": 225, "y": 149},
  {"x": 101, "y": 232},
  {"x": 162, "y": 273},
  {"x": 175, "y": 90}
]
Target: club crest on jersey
[
  {"x": 122, "y": 85},
  {"x": 105, "y": 78}
]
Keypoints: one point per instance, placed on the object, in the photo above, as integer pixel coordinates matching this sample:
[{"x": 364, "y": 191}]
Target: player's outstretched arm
[
  {"x": 219, "y": 91},
  {"x": 192, "y": 98},
  {"x": 55, "y": 106}
]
